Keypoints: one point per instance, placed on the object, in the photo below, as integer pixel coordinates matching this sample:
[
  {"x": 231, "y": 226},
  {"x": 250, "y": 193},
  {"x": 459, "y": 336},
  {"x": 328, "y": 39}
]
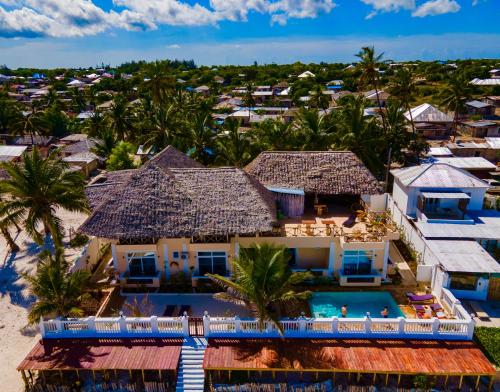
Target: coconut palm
[
  {"x": 158, "y": 82},
  {"x": 162, "y": 127},
  {"x": 262, "y": 281},
  {"x": 403, "y": 87},
  {"x": 274, "y": 135},
  {"x": 10, "y": 114},
  {"x": 233, "y": 145},
  {"x": 32, "y": 123},
  {"x": 37, "y": 187},
  {"x": 368, "y": 65},
  {"x": 119, "y": 117},
  {"x": 7, "y": 220},
  {"x": 315, "y": 128},
  {"x": 95, "y": 125},
  {"x": 104, "y": 143},
  {"x": 454, "y": 96},
  {"x": 59, "y": 293},
  {"x": 201, "y": 137}
]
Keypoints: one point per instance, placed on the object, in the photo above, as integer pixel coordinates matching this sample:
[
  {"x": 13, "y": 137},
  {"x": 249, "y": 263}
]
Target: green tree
[
  {"x": 121, "y": 157},
  {"x": 10, "y": 115},
  {"x": 59, "y": 293},
  {"x": 233, "y": 146},
  {"x": 7, "y": 220},
  {"x": 32, "y": 123},
  {"x": 456, "y": 92},
  {"x": 315, "y": 129},
  {"x": 36, "y": 187},
  {"x": 105, "y": 142},
  {"x": 201, "y": 137},
  {"x": 262, "y": 281},
  {"x": 119, "y": 117},
  {"x": 95, "y": 125},
  {"x": 274, "y": 135}
]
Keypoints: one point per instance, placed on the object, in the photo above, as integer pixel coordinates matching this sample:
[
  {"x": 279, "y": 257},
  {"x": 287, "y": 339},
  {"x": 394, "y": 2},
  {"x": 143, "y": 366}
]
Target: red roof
[
  {"x": 100, "y": 354},
  {"x": 354, "y": 355}
]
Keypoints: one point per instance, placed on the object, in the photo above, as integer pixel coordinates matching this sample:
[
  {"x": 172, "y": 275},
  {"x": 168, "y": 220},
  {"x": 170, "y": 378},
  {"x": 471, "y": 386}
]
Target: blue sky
[{"x": 49, "y": 33}]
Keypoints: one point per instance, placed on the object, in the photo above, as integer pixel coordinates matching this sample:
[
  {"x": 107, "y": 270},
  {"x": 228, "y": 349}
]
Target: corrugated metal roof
[
  {"x": 493, "y": 142},
  {"x": 289, "y": 191},
  {"x": 428, "y": 113},
  {"x": 437, "y": 175},
  {"x": 463, "y": 256},
  {"x": 12, "y": 151},
  {"x": 478, "y": 104},
  {"x": 103, "y": 354},
  {"x": 467, "y": 162},
  {"x": 485, "y": 82},
  {"x": 439, "y": 151}
]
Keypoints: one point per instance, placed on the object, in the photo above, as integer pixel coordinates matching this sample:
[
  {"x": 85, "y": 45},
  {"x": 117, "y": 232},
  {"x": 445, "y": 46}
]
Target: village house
[
  {"x": 477, "y": 166},
  {"x": 481, "y": 128},
  {"x": 454, "y": 235},
  {"x": 371, "y": 96},
  {"x": 185, "y": 221},
  {"x": 492, "y": 100},
  {"x": 430, "y": 122},
  {"x": 484, "y": 149},
  {"x": 479, "y": 108}
]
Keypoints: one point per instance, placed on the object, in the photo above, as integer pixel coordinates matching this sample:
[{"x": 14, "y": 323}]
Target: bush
[
  {"x": 78, "y": 240},
  {"x": 489, "y": 340}
]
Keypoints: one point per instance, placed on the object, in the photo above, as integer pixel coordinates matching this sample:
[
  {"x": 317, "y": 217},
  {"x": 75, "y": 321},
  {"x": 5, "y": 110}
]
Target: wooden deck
[{"x": 446, "y": 358}]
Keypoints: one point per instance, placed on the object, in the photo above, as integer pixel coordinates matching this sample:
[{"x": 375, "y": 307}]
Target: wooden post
[
  {"x": 460, "y": 383},
  {"x": 25, "y": 379},
  {"x": 477, "y": 381},
  {"x": 386, "y": 379},
  {"x": 374, "y": 377},
  {"x": 490, "y": 387},
  {"x": 399, "y": 379},
  {"x": 446, "y": 381}
]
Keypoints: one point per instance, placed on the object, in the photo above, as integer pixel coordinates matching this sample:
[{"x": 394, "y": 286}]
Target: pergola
[
  {"x": 102, "y": 360},
  {"x": 348, "y": 360}
]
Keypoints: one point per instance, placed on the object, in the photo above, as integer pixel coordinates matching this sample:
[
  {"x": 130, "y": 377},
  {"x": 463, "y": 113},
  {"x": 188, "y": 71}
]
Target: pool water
[{"x": 326, "y": 305}]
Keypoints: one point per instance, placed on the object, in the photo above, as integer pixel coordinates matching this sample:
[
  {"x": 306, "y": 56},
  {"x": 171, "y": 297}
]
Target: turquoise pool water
[{"x": 330, "y": 304}]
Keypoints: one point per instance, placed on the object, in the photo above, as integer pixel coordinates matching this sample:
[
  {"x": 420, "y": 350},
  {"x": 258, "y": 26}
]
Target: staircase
[{"x": 191, "y": 377}]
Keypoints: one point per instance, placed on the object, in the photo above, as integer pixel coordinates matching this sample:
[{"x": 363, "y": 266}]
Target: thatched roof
[
  {"x": 173, "y": 158},
  {"x": 325, "y": 173},
  {"x": 157, "y": 201}
]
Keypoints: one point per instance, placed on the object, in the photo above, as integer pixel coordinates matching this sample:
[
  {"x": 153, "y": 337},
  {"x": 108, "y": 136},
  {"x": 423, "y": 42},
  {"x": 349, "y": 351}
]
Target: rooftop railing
[{"x": 234, "y": 327}]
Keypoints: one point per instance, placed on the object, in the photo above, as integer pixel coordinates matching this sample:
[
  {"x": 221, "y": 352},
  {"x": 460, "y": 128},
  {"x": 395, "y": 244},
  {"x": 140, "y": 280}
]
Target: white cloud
[
  {"x": 436, "y": 7},
  {"x": 388, "y": 6},
  {"x": 174, "y": 46}
]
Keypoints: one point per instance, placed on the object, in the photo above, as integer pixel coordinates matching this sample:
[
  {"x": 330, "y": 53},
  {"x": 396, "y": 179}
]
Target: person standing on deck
[
  {"x": 343, "y": 310},
  {"x": 385, "y": 312}
]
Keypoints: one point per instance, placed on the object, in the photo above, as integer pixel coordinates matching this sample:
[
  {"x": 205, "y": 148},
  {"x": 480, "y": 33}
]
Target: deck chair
[
  {"x": 169, "y": 311},
  {"x": 479, "y": 311},
  {"x": 425, "y": 298},
  {"x": 185, "y": 308}
]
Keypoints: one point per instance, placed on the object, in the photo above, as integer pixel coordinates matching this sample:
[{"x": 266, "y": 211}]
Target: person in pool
[
  {"x": 385, "y": 312},
  {"x": 343, "y": 311}
]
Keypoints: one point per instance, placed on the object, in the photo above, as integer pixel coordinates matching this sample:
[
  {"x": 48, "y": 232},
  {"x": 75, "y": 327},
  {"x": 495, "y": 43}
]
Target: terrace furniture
[
  {"x": 330, "y": 223},
  {"x": 425, "y": 298},
  {"x": 351, "y": 221},
  {"x": 169, "y": 311},
  {"x": 419, "y": 308},
  {"x": 309, "y": 229},
  {"x": 436, "y": 307},
  {"x": 185, "y": 309},
  {"x": 320, "y": 209},
  {"x": 478, "y": 310}
]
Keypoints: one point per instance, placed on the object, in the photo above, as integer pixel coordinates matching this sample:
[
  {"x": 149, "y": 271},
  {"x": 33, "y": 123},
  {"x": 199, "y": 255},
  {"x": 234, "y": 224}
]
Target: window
[
  {"x": 293, "y": 257},
  {"x": 357, "y": 262},
  {"x": 463, "y": 282},
  {"x": 212, "y": 263},
  {"x": 142, "y": 263}
]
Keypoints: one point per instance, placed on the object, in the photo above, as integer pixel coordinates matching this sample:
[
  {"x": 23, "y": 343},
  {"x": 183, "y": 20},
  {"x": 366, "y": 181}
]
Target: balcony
[{"x": 374, "y": 278}]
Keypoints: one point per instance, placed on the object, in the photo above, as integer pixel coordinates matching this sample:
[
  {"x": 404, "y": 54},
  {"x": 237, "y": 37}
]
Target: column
[
  {"x": 331, "y": 260},
  {"x": 185, "y": 259},
  {"x": 165, "y": 261},
  {"x": 115, "y": 257},
  {"x": 386, "y": 259}
]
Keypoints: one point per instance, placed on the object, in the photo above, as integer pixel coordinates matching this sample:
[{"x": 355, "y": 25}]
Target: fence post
[
  {"x": 185, "y": 324},
  {"x": 42, "y": 327},
  {"x": 368, "y": 325},
  {"x": 470, "y": 328},
  {"x": 302, "y": 324},
  {"x": 206, "y": 323},
  {"x": 401, "y": 327},
  {"x": 269, "y": 327},
  {"x": 58, "y": 322},
  {"x": 123, "y": 324},
  {"x": 154, "y": 324},
  {"x": 237, "y": 324},
  {"x": 335, "y": 325},
  {"x": 91, "y": 324},
  {"x": 435, "y": 326}
]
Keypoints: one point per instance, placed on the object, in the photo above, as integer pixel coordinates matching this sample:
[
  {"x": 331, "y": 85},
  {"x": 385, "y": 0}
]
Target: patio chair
[
  {"x": 424, "y": 298},
  {"x": 169, "y": 311},
  {"x": 185, "y": 308},
  {"x": 351, "y": 221},
  {"x": 419, "y": 308},
  {"x": 436, "y": 307}
]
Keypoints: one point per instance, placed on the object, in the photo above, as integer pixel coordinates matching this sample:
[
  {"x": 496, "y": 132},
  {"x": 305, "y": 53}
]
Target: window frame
[
  {"x": 361, "y": 257},
  {"x": 203, "y": 254},
  {"x": 145, "y": 255}
]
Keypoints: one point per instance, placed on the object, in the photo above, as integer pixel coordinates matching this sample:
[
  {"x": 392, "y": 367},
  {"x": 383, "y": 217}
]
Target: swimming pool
[{"x": 358, "y": 303}]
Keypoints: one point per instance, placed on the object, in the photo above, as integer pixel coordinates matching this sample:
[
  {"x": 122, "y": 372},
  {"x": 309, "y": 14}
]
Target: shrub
[{"x": 489, "y": 340}]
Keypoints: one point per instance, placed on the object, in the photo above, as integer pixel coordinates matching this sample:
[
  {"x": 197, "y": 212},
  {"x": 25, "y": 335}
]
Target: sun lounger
[
  {"x": 169, "y": 311},
  {"x": 351, "y": 221},
  {"x": 436, "y": 307},
  {"x": 419, "y": 308},
  {"x": 419, "y": 298},
  {"x": 478, "y": 310},
  {"x": 185, "y": 308}
]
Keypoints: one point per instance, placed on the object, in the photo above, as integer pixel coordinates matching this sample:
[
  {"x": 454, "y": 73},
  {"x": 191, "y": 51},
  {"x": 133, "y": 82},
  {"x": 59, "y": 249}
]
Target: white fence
[{"x": 234, "y": 327}]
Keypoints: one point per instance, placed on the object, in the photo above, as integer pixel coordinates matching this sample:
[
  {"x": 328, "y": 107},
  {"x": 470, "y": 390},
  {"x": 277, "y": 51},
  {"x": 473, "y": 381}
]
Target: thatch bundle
[{"x": 325, "y": 173}]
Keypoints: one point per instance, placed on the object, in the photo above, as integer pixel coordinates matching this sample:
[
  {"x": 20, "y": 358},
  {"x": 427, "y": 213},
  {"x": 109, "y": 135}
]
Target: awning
[
  {"x": 445, "y": 195},
  {"x": 289, "y": 191},
  {"x": 103, "y": 354}
]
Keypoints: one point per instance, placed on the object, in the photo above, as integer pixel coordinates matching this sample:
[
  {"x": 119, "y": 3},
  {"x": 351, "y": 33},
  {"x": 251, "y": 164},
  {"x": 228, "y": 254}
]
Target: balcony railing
[{"x": 234, "y": 327}]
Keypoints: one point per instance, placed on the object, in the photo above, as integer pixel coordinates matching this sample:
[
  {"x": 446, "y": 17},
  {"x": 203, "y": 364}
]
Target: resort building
[
  {"x": 173, "y": 217},
  {"x": 440, "y": 208}
]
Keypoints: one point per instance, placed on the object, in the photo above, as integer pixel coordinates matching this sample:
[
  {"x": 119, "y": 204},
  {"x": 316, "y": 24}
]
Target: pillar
[
  {"x": 166, "y": 262},
  {"x": 115, "y": 257},
  {"x": 331, "y": 260},
  {"x": 386, "y": 259},
  {"x": 185, "y": 259}
]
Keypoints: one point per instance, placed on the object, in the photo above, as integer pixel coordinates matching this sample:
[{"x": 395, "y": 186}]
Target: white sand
[{"x": 15, "y": 341}]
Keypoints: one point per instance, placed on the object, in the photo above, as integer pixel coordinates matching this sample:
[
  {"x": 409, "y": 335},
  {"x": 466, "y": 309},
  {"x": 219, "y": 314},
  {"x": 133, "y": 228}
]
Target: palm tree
[
  {"x": 162, "y": 127},
  {"x": 201, "y": 137},
  {"x": 10, "y": 114},
  {"x": 37, "y": 187},
  {"x": 78, "y": 102},
  {"x": 234, "y": 147},
  {"x": 119, "y": 117},
  {"x": 368, "y": 64},
  {"x": 274, "y": 135},
  {"x": 262, "y": 281},
  {"x": 403, "y": 87},
  {"x": 316, "y": 129},
  {"x": 59, "y": 293},
  {"x": 32, "y": 123},
  {"x": 7, "y": 220},
  {"x": 454, "y": 96},
  {"x": 95, "y": 125},
  {"x": 104, "y": 143},
  {"x": 158, "y": 83},
  {"x": 359, "y": 133}
]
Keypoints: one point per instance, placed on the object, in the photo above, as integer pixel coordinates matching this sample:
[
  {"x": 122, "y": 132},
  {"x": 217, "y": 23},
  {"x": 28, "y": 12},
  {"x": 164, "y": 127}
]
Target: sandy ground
[{"x": 16, "y": 338}]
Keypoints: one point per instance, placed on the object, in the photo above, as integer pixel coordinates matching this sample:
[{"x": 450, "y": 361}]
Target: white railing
[
  {"x": 119, "y": 327},
  {"x": 234, "y": 327},
  {"x": 454, "y": 306}
]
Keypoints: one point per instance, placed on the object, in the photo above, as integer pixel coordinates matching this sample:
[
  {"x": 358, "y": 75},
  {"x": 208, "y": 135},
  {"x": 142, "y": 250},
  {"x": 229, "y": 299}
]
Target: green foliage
[
  {"x": 121, "y": 157},
  {"x": 262, "y": 281},
  {"x": 58, "y": 292},
  {"x": 78, "y": 240},
  {"x": 489, "y": 340}
]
